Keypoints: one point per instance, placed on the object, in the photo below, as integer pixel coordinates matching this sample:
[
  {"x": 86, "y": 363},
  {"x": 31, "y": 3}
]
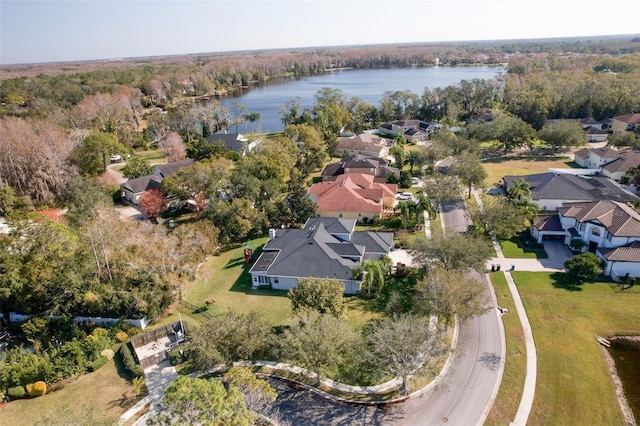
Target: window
[
  {"x": 275, "y": 280},
  {"x": 595, "y": 231}
]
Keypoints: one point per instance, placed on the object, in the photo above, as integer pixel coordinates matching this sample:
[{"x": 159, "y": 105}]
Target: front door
[{"x": 593, "y": 246}]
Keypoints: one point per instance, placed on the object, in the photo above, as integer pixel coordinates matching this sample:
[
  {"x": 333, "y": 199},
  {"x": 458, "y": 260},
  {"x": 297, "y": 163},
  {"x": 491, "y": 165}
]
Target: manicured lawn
[
  {"x": 153, "y": 156},
  {"x": 96, "y": 398},
  {"x": 498, "y": 168},
  {"x": 506, "y": 405},
  {"x": 225, "y": 280},
  {"x": 573, "y": 382},
  {"x": 511, "y": 249}
]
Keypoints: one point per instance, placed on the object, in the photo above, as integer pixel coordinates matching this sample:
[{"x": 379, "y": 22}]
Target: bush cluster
[
  {"x": 129, "y": 361},
  {"x": 38, "y": 388}
]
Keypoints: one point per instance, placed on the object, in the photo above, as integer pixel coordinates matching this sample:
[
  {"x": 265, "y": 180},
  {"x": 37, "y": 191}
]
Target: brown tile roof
[
  {"x": 351, "y": 192},
  {"x": 631, "y": 118},
  {"x": 548, "y": 223},
  {"x": 624, "y": 162},
  {"x": 626, "y": 253},
  {"x": 619, "y": 219},
  {"x": 582, "y": 153}
]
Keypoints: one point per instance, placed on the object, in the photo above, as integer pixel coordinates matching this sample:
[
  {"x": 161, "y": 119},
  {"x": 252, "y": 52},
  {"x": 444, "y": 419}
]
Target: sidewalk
[{"x": 528, "y": 393}]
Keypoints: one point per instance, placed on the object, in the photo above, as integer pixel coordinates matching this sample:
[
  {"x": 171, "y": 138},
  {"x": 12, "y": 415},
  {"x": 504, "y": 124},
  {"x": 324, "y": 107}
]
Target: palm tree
[
  {"x": 374, "y": 273},
  {"x": 413, "y": 158},
  {"x": 519, "y": 191}
]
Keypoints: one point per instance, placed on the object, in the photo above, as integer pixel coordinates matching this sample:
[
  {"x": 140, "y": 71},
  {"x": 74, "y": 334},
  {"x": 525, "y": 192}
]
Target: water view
[
  {"x": 366, "y": 84},
  {"x": 626, "y": 355}
]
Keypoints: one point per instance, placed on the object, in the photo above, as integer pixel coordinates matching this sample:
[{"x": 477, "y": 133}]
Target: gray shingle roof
[
  {"x": 143, "y": 183},
  {"x": 556, "y": 186},
  {"x": 314, "y": 252},
  {"x": 170, "y": 169}
]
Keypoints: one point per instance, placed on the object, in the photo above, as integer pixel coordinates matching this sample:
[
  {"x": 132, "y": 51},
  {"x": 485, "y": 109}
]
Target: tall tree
[
  {"x": 136, "y": 167},
  {"x": 229, "y": 338},
  {"x": 204, "y": 402},
  {"x": 153, "y": 203},
  {"x": 500, "y": 218},
  {"x": 400, "y": 346},
  {"x": 461, "y": 252},
  {"x": 316, "y": 341},
  {"x": 92, "y": 155},
  {"x": 470, "y": 171},
  {"x": 173, "y": 147},
  {"x": 321, "y": 294},
  {"x": 449, "y": 294},
  {"x": 562, "y": 134}
]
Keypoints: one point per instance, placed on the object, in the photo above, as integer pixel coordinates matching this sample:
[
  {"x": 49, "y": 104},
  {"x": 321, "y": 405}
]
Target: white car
[
  {"x": 405, "y": 196},
  {"x": 415, "y": 181},
  {"x": 115, "y": 158}
]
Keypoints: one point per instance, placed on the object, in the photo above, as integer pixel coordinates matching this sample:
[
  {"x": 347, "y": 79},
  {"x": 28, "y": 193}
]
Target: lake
[{"x": 366, "y": 84}]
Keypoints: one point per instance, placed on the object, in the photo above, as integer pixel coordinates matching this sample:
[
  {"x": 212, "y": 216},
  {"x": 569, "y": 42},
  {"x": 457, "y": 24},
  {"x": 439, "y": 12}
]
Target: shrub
[
  {"x": 95, "y": 365},
  {"x": 16, "y": 392},
  {"x": 38, "y": 388},
  {"x": 122, "y": 336},
  {"x": 129, "y": 360},
  {"x": 107, "y": 353},
  {"x": 175, "y": 357}
]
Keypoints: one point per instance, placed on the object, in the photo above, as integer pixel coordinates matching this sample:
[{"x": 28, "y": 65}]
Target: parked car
[
  {"x": 415, "y": 181},
  {"x": 405, "y": 196},
  {"x": 115, "y": 158}
]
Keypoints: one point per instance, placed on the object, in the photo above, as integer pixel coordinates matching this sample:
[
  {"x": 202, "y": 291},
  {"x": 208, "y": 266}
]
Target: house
[
  {"x": 364, "y": 144},
  {"x": 618, "y": 168},
  {"x": 377, "y": 167},
  {"x": 596, "y": 157},
  {"x": 609, "y": 162},
  {"x": 549, "y": 191},
  {"x": 134, "y": 188},
  {"x": 610, "y": 229},
  {"x": 323, "y": 248},
  {"x": 412, "y": 130},
  {"x": 352, "y": 196},
  {"x": 590, "y": 122},
  {"x": 235, "y": 142},
  {"x": 594, "y": 134},
  {"x": 625, "y": 122}
]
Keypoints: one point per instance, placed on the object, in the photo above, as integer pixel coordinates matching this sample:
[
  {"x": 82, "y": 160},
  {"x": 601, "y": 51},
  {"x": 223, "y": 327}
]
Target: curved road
[{"x": 463, "y": 397}]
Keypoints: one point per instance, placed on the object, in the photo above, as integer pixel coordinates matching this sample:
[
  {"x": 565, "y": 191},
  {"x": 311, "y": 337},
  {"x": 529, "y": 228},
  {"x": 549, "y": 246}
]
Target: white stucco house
[{"x": 610, "y": 229}]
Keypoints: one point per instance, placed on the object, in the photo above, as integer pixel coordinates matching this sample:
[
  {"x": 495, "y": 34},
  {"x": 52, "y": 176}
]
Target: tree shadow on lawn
[{"x": 560, "y": 280}]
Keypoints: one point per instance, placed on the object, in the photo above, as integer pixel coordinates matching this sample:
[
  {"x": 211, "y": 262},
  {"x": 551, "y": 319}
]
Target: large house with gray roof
[
  {"x": 549, "y": 191},
  {"x": 377, "y": 167},
  {"x": 611, "y": 229},
  {"x": 323, "y": 248}
]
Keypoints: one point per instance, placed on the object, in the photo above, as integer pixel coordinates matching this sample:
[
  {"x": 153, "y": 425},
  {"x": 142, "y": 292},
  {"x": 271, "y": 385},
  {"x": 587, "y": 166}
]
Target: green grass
[
  {"x": 100, "y": 397},
  {"x": 522, "y": 165},
  {"x": 573, "y": 383},
  {"x": 225, "y": 280},
  {"x": 153, "y": 156},
  {"x": 506, "y": 405},
  {"x": 511, "y": 249}
]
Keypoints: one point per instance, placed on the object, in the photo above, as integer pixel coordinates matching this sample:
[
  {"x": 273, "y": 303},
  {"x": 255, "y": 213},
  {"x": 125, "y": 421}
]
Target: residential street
[{"x": 463, "y": 397}]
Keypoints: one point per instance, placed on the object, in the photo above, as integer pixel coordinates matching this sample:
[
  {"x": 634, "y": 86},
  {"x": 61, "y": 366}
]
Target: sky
[{"x": 59, "y": 31}]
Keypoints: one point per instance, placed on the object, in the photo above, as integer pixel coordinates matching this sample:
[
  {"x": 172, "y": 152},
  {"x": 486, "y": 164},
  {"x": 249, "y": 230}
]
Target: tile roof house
[
  {"x": 625, "y": 122},
  {"x": 609, "y": 162},
  {"x": 134, "y": 188},
  {"x": 323, "y": 248},
  {"x": 378, "y": 167},
  {"x": 610, "y": 229},
  {"x": 364, "y": 144},
  {"x": 354, "y": 196},
  {"x": 549, "y": 191}
]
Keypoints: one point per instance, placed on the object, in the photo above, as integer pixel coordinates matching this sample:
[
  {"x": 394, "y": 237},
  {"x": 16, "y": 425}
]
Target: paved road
[
  {"x": 455, "y": 216},
  {"x": 465, "y": 394},
  {"x": 463, "y": 397}
]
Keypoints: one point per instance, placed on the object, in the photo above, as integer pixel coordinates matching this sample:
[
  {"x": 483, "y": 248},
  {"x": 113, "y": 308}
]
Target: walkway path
[
  {"x": 526, "y": 402},
  {"x": 157, "y": 379}
]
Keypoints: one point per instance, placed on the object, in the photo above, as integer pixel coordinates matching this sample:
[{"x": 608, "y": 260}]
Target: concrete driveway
[{"x": 558, "y": 254}]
